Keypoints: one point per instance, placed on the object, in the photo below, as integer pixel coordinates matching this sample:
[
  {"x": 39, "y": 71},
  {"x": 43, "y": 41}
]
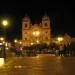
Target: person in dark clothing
[
  {"x": 60, "y": 50},
  {"x": 65, "y": 50}
]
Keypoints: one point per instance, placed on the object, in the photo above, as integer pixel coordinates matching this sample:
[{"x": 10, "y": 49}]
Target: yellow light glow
[
  {"x": 3, "y": 42},
  {"x": 37, "y": 33},
  {"x": 20, "y": 42},
  {"x": 1, "y": 62},
  {"x": 60, "y": 38},
  {"x": 5, "y": 22},
  {"x": 33, "y": 33},
  {"x": 6, "y": 44},
  {"x": 31, "y": 43},
  {"x": 15, "y": 41},
  {"x": 37, "y": 41},
  {"x": 1, "y": 38},
  {"x": 0, "y": 43}
]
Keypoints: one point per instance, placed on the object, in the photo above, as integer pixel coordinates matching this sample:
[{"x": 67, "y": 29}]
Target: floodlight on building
[
  {"x": 15, "y": 41},
  {"x": 32, "y": 43},
  {"x": 34, "y": 33},
  {"x": 37, "y": 33},
  {"x": 60, "y": 38},
  {"x": 20, "y": 42},
  {"x": 37, "y": 41}
]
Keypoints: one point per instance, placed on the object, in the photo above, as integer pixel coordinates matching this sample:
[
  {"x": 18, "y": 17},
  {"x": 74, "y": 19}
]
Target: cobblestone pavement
[{"x": 43, "y": 64}]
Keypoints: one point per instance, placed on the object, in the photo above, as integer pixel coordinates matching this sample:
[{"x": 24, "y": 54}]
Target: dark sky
[{"x": 62, "y": 16}]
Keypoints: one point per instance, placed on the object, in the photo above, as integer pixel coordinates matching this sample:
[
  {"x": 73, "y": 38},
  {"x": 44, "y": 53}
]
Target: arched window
[
  {"x": 46, "y": 25},
  {"x": 25, "y": 25}
]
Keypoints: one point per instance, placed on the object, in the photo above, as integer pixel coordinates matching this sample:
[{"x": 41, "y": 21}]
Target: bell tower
[
  {"x": 45, "y": 21},
  {"x": 46, "y": 29},
  {"x": 26, "y": 24}
]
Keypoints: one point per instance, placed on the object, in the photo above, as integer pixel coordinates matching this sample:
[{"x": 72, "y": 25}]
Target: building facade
[{"x": 36, "y": 33}]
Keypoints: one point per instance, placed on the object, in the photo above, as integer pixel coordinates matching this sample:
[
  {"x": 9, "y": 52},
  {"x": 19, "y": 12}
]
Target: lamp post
[{"x": 4, "y": 23}]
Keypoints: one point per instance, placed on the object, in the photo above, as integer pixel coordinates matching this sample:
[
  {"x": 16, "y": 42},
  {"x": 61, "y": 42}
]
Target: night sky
[{"x": 62, "y": 16}]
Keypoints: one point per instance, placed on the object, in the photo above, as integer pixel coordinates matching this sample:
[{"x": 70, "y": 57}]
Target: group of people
[{"x": 64, "y": 51}]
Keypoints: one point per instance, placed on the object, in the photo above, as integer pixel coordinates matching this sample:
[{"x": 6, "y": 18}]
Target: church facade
[{"x": 36, "y": 33}]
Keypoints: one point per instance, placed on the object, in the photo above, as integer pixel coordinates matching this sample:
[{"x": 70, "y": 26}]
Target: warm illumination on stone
[
  {"x": 60, "y": 38},
  {"x": 31, "y": 43},
  {"x": 37, "y": 41},
  {"x": 37, "y": 32}
]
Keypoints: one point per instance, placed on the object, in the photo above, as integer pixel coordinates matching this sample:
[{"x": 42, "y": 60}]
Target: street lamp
[
  {"x": 1, "y": 38},
  {"x": 60, "y": 40},
  {"x": 20, "y": 42},
  {"x": 31, "y": 43},
  {"x": 15, "y": 41},
  {"x": 4, "y": 23}
]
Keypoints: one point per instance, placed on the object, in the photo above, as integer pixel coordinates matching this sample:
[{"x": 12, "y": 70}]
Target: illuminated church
[{"x": 36, "y": 33}]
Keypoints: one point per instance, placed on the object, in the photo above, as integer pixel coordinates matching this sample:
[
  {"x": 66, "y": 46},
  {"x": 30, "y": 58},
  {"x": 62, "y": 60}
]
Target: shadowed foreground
[{"x": 39, "y": 65}]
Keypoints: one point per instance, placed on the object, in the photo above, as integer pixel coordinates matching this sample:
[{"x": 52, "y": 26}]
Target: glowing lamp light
[
  {"x": 3, "y": 42},
  {"x": 5, "y": 22},
  {"x": 20, "y": 42},
  {"x": 31, "y": 43},
  {"x": 15, "y": 41},
  {"x": 37, "y": 41},
  {"x": 1, "y": 38},
  {"x": 60, "y": 38},
  {"x": 6, "y": 44},
  {"x": 37, "y": 33},
  {"x": 33, "y": 33},
  {"x": 0, "y": 43}
]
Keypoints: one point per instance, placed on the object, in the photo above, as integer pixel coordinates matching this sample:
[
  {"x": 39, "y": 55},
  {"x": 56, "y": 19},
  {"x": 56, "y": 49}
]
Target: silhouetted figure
[
  {"x": 65, "y": 50},
  {"x": 61, "y": 50}
]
